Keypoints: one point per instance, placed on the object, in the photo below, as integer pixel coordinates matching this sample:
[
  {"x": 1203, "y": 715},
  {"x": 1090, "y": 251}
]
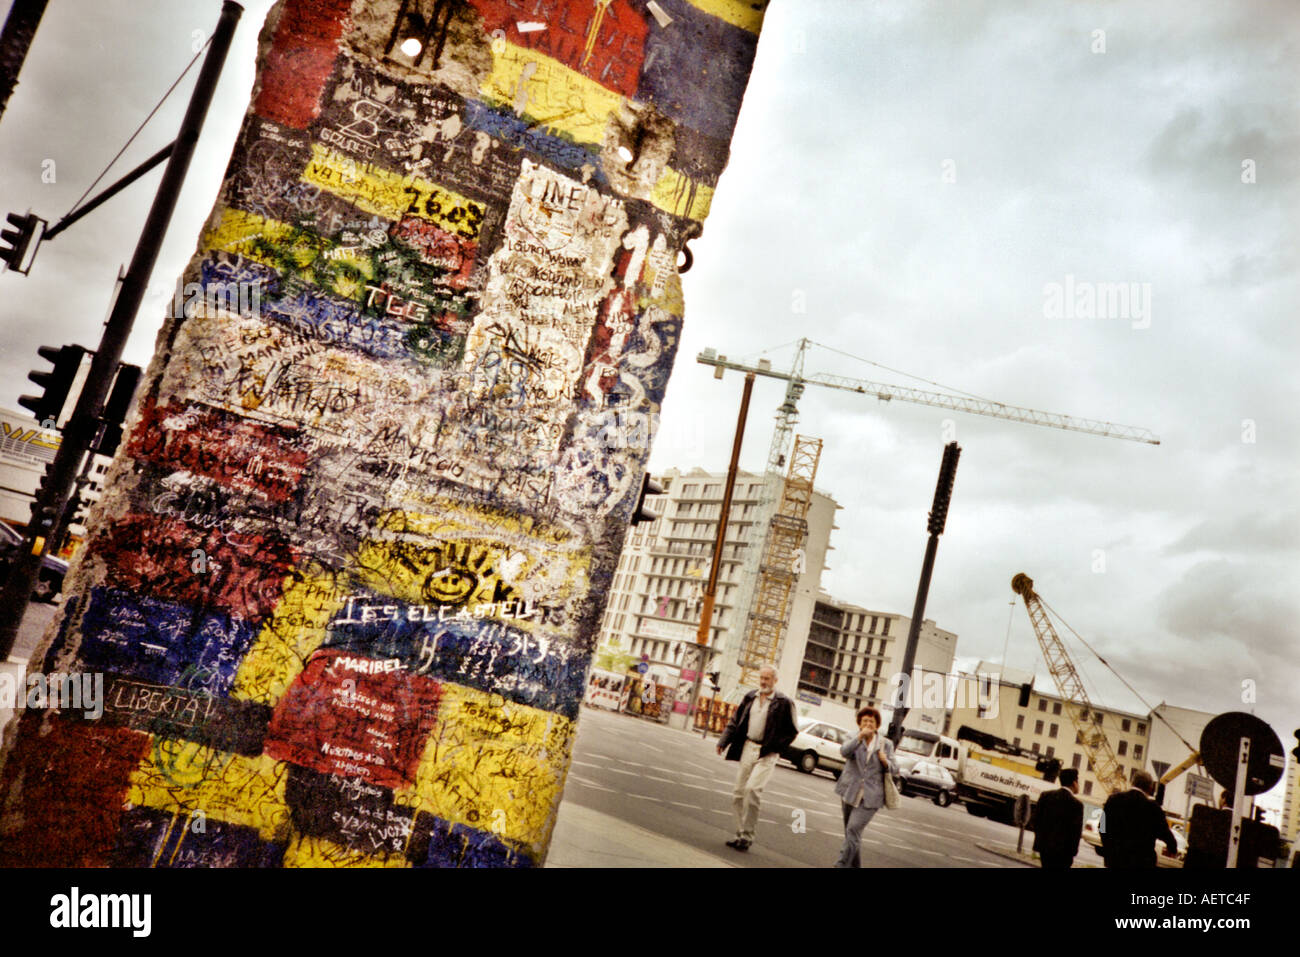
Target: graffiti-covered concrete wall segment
[{"x": 345, "y": 585}]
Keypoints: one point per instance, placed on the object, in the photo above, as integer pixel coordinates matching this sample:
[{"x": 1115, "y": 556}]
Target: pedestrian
[
  {"x": 1058, "y": 824},
  {"x": 1131, "y": 823},
  {"x": 869, "y": 756},
  {"x": 761, "y": 728}
]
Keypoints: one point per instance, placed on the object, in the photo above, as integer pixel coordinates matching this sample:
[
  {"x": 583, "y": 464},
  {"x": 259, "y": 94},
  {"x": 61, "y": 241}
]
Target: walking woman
[{"x": 861, "y": 787}]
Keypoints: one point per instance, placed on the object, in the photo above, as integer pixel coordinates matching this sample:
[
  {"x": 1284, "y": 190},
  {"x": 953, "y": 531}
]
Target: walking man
[
  {"x": 762, "y": 727},
  {"x": 1131, "y": 823},
  {"x": 1058, "y": 824}
]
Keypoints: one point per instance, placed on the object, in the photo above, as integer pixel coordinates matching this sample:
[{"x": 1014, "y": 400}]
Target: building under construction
[{"x": 655, "y": 597}]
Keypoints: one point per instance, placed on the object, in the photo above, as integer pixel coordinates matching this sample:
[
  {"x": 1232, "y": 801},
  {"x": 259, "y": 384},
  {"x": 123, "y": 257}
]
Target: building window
[
  {"x": 1042, "y": 704},
  {"x": 1078, "y": 760},
  {"x": 1020, "y": 722},
  {"x": 1056, "y": 707},
  {"x": 1038, "y": 727},
  {"x": 1034, "y": 747},
  {"x": 1051, "y": 751},
  {"x": 1052, "y": 731},
  {"x": 1016, "y": 742},
  {"x": 1142, "y": 728},
  {"x": 886, "y": 628},
  {"x": 1122, "y": 749},
  {"x": 1087, "y": 787},
  {"x": 1078, "y": 737},
  {"x": 1124, "y": 724},
  {"x": 1137, "y": 752}
]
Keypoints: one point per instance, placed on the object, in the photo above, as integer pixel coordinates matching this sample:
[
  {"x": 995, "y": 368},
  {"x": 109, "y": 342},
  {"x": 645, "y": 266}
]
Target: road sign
[
  {"x": 1198, "y": 785},
  {"x": 643, "y": 667},
  {"x": 1221, "y": 746}
]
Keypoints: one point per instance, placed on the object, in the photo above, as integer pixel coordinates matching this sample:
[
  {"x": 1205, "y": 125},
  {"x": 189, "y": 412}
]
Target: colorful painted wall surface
[{"x": 345, "y": 585}]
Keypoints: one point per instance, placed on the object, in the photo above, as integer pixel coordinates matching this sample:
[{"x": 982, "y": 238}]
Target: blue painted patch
[
  {"x": 313, "y": 315},
  {"x": 488, "y": 654},
  {"x": 162, "y": 642},
  {"x": 151, "y": 838},
  {"x": 454, "y": 845},
  {"x": 521, "y": 135},
  {"x": 696, "y": 72}
]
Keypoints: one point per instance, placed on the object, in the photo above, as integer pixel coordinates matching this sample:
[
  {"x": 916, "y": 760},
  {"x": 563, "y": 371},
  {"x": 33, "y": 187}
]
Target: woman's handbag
[{"x": 892, "y": 797}]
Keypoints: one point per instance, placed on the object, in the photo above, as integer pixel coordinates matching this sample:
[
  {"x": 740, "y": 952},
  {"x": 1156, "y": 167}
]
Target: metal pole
[
  {"x": 80, "y": 429},
  {"x": 938, "y": 516},
  {"x": 1238, "y": 802},
  {"x": 711, "y": 589}
]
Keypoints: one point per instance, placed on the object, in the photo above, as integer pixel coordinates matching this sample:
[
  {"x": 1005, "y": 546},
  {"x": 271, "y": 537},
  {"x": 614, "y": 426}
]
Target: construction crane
[
  {"x": 1085, "y": 718},
  {"x": 764, "y": 590}
]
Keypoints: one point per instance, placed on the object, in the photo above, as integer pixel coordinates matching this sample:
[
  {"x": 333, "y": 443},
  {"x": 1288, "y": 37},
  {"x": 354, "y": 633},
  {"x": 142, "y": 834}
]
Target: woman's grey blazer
[{"x": 862, "y": 782}]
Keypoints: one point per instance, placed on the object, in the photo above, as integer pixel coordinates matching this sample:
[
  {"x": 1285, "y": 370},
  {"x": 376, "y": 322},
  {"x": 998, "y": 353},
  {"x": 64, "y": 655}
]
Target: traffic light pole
[
  {"x": 711, "y": 589},
  {"x": 938, "y": 517},
  {"x": 80, "y": 429}
]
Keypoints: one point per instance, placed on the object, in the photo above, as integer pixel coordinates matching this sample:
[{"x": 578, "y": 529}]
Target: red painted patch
[
  {"x": 437, "y": 247},
  {"x": 239, "y": 453},
  {"x": 239, "y": 572},
  {"x": 64, "y": 792},
  {"x": 302, "y": 55},
  {"x": 353, "y": 716},
  {"x": 612, "y": 57}
]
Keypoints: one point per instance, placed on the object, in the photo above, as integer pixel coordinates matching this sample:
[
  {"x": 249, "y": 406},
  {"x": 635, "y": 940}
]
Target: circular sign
[
  {"x": 643, "y": 667},
  {"x": 1221, "y": 749}
]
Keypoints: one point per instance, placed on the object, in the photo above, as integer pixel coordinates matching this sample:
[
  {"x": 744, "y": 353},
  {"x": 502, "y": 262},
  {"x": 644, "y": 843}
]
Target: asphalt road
[{"x": 674, "y": 783}]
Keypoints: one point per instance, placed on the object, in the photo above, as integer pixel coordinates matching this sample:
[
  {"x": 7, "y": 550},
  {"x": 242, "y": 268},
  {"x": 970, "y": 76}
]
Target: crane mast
[{"x": 1085, "y": 718}]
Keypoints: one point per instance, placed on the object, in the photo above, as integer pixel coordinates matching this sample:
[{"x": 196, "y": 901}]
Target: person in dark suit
[
  {"x": 762, "y": 727},
  {"x": 1058, "y": 824},
  {"x": 1131, "y": 823}
]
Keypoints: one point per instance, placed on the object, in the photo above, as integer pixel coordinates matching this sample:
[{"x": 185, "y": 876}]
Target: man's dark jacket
[
  {"x": 1058, "y": 824},
  {"x": 1130, "y": 826},
  {"x": 777, "y": 734}
]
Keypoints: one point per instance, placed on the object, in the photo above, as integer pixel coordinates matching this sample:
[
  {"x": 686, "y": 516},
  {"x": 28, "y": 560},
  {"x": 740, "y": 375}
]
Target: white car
[{"x": 817, "y": 745}]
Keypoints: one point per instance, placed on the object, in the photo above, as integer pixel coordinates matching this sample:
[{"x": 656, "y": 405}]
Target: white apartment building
[{"x": 658, "y": 587}]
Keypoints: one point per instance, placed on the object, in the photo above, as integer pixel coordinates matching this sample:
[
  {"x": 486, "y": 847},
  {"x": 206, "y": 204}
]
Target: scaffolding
[{"x": 782, "y": 563}]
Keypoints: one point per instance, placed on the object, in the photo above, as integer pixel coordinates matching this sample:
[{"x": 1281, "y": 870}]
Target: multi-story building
[
  {"x": 853, "y": 655},
  {"x": 658, "y": 587},
  {"x": 991, "y": 701}
]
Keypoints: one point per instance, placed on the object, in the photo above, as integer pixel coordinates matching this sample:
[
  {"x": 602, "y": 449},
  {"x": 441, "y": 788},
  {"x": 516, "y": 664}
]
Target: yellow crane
[{"x": 1085, "y": 718}]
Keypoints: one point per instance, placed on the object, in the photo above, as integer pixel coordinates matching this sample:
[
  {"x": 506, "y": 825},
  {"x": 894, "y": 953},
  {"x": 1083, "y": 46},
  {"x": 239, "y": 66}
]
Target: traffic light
[
  {"x": 648, "y": 487},
  {"x": 943, "y": 490},
  {"x": 115, "y": 409},
  {"x": 56, "y": 383},
  {"x": 20, "y": 241}
]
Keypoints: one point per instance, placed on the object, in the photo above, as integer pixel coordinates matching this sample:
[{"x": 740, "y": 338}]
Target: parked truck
[{"x": 992, "y": 773}]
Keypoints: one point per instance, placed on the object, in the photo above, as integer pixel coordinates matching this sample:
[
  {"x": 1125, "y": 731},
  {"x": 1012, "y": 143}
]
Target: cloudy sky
[{"x": 917, "y": 176}]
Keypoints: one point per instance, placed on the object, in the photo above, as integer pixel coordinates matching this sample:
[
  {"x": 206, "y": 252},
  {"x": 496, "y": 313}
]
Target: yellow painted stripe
[
  {"x": 553, "y": 96},
  {"x": 294, "y": 631},
  {"x": 493, "y": 765},
  {"x": 392, "y": 196},
  {"x": 681, "y": 196},
  {"x": 746, "y": 14},
  {"x": 182, "y": 776},
  {"x": 319, "y": 852}
]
